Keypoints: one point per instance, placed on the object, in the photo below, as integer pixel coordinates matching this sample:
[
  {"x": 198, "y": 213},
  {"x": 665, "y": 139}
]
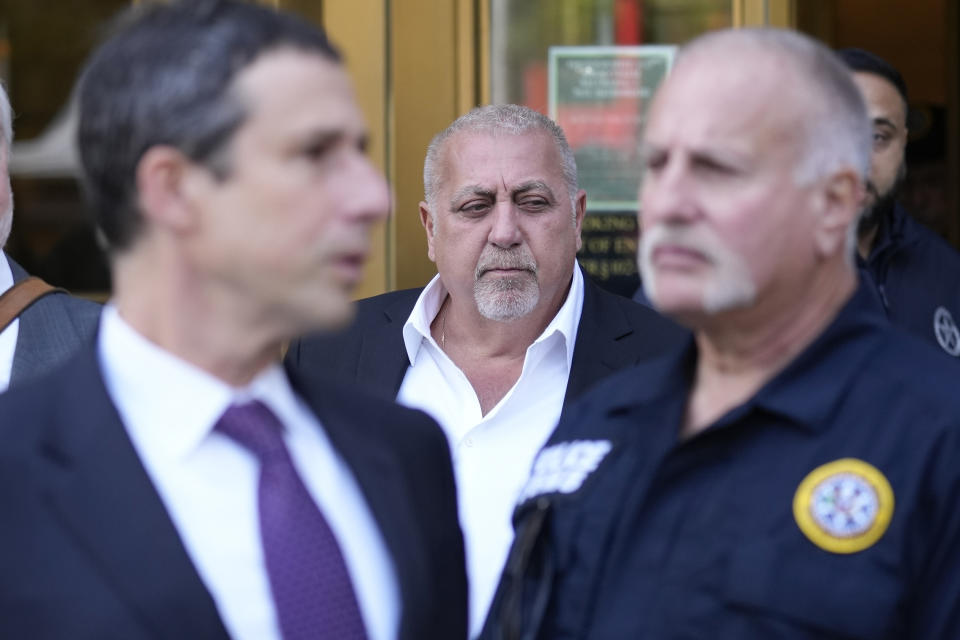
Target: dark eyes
[
  {"x": 531, "y": 204},
  {"x": 880, "y": 139},
  {"x": 534, "y": 203},
  {"x": 656, "y": 161},
  {"x": 319, "y": 148},
  {"x": 316, "y": 151},
  {"x": 699, "y": 164},
  {"x": 474, "y": 208}
]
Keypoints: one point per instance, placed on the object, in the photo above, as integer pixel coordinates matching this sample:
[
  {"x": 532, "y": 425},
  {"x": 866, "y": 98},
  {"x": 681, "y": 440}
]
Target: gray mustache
[{"x": 505, "y": 260}]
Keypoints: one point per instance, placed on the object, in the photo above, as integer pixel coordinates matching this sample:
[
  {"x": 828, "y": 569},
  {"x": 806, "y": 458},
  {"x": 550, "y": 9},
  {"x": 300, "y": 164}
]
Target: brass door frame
[{"x": 417, "y": 65}]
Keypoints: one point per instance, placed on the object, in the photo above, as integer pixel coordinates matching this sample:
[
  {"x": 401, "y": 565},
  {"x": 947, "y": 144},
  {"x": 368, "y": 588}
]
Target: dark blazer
[
  {"x": 88, "y": 551},
  {"x": 51, "y": 330},
  {"x": 614, "y": 333}
]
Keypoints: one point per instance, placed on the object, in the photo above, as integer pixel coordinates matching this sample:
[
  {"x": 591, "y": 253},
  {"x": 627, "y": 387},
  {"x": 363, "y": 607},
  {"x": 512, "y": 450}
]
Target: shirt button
[{"x": 468, "y": 442}]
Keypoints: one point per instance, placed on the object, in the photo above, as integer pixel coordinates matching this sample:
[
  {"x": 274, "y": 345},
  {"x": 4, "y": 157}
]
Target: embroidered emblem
[
  {"x": 562, "y": 468},
  {"x": 844, "y": 506},
  {"x": 946, "y": 331}
]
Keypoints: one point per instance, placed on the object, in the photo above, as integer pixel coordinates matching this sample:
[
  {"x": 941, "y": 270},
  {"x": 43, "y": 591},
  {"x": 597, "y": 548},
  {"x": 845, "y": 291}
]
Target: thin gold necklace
[{"x": 443, "y": 324}]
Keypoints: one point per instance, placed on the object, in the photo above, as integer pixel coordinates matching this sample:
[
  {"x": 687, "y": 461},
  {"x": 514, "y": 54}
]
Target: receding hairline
[
  {"x": 441, "y": 159},
  {"x": 810, "y": 81}
]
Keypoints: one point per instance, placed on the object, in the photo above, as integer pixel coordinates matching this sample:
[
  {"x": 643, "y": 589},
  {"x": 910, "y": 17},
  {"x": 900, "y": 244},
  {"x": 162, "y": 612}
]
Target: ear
[
  {"x": 841, "y": 196},
  {"x": 580, "y": 202},
  {"x": 163, "y": 177},
  {"x": 427, "y": 221}
]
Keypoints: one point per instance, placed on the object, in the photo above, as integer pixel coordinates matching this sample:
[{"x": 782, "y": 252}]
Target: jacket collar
[
  {"x": 98, "y": 488},
  {"x": 805, "y": 392}
]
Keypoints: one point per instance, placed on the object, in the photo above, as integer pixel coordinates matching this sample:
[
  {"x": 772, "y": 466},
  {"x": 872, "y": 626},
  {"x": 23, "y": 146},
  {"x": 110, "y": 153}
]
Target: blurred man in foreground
[
  {"x": 173, "y": 481},
  {"x": 792, "y": 472}
]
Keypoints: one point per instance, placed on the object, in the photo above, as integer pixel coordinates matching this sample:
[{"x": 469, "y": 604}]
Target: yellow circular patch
[{"x": 844, "y": 506}]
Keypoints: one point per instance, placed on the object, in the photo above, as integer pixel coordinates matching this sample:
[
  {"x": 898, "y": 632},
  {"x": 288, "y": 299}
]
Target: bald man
[{"x": 789, "y": 473}]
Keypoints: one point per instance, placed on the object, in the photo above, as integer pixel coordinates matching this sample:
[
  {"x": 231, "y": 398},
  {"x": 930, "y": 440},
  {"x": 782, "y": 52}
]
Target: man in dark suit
[
  {"x": 508, "y": 332},
  {"x": 54, "y": 327},
  {"x": 173, "y": 481}
]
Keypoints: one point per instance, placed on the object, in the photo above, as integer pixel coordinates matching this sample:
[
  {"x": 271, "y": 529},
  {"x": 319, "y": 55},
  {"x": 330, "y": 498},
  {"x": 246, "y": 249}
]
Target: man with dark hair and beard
[
  {"x": 916, "y": 272},
  {"x": 508, "y": 333}
]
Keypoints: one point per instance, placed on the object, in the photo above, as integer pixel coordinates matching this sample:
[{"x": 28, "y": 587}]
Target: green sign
[{"x": 599, "y": 96}]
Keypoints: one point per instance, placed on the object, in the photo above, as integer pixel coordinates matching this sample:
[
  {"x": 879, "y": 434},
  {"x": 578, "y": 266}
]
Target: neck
[
  {"x": 742, "y": 350},
  {"x": 179, "y": 312},
  {"x": 460, "y": 329},
  {"x": 490, "y": 353},
  {"x": 865, "y": 241}
]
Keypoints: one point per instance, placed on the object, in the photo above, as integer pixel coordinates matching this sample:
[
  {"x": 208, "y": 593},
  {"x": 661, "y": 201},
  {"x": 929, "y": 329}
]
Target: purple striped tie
[{"x": 308, "y": 577}]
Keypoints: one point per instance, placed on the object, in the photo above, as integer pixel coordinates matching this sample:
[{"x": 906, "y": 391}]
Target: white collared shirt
[
  {"x": 492, "y": 454},
  {"x": 8, "y": 337},
  {"x": 208, "y": 482}
]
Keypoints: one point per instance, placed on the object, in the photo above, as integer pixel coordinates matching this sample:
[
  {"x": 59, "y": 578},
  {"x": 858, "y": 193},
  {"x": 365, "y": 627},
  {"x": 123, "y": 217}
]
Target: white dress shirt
[
  {"x": 8, "y": 337},
  {"x": 492, "y": 454},
  {"x": 208, "y": 482}
]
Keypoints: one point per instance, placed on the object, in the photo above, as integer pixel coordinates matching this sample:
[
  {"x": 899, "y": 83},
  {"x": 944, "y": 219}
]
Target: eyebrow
[
  {"x": 335, "y": 136},
  {"x": 478, "y": 190},
  {"x": 886, "y": 122},
  {"x": 470, "y": 190},
  {"x": 534, "y": 185}
]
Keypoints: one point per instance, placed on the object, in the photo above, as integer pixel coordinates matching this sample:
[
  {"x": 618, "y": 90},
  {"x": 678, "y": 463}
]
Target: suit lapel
[
  {"x": 383, "y": 360},
  {"x": 597, "y": 353},
  {"x": 379, "y": 475},
  {"x": 98, "y": 488}
]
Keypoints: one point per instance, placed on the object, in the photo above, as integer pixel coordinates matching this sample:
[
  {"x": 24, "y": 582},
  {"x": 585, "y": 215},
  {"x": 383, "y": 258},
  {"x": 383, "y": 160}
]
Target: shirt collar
[
  {"x": 810, "y": 387},
  {"x": 6, "y": 273},
  {"x": 416, "y": 329},
  {"x": 171, "y": 404}
]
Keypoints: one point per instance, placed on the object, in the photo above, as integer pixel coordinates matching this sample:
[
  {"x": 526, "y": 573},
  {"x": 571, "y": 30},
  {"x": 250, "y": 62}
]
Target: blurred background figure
[
  {"x": 915, "y": 270},
  {"x": 40, "y": 327}
]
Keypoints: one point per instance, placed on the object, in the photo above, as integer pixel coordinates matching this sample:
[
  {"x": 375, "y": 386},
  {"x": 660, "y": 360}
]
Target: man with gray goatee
[{"x": 508, "y": 332}]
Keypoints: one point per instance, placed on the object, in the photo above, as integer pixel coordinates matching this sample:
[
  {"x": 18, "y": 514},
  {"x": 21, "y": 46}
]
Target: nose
[
  {"x": 505, "y": 226},
  {"x": 668, "y": 196},
  {"x": 371, "y": 194}
]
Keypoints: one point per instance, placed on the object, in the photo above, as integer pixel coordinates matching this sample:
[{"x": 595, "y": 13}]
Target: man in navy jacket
[
  {"x": 916, "y": 272},
  {"x": 791, "y": 471}
]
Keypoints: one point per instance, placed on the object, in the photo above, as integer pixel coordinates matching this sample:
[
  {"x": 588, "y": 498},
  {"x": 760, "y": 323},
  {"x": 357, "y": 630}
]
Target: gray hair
[
  {"x": 6, "y": 120},
  {"x": 6, "y": 130},
  {"x": 511, "y": 119},
  {"x": 837, "y": 133}
]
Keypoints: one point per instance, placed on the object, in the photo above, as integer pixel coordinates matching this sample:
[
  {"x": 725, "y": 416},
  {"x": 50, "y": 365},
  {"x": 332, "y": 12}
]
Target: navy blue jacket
[
  {"x": 823, "y": 507},
  {"x": 917, "y": 274}
]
